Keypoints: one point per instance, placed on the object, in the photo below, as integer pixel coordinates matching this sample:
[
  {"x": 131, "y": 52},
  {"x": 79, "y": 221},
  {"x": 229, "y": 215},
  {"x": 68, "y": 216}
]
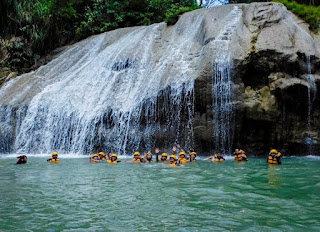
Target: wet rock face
[{"x": 270, "y": 91}]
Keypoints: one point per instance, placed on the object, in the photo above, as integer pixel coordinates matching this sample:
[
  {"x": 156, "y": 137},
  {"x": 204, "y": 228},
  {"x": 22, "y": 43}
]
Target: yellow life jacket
[
  {"x": 218, "y": 159},
  {"x": 103, "y": 159},
  {"x": 183, "y": 160},
  {"x": 112, "y": 162},
  {"x": 173, "y": 164},
  {"x": 136, "y": 160},
  {"x": 239, "y": 157},
  {"x": 55, "y": 161},
  {"x": 274, "y": 159}
]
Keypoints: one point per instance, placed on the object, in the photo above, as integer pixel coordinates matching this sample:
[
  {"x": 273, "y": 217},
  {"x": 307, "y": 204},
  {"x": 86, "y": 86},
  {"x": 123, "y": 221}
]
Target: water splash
[{"x": 222, "y": 84}]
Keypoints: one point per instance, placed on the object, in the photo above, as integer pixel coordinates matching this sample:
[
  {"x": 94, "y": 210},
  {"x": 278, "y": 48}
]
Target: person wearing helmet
[
  {"x": 192, "y": 156},
  {"x": 239, "y": 155},
  {"x": 148, "y": 157},
  {"x": 22, "y": 159},
  {"x": 136, "y": 158},
  {"x": 102, "y": 156},
  {"x": 182, "y": 155},
  {"x": 274, "y": 157},
  {"x": 114, "y": 159},
  {"x": 95, "y": 158},
  {"x": 55, "y": 158},
  {"x": 173, "y": 161},
  {"x": 164, "y": 156}
]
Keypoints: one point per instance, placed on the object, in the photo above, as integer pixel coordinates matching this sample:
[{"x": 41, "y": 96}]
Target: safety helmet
[
  {"x": 114, "y": 155},
  {"x": 182, "y": 153},
  {"x": 95, "y": 155},
  {"x": 273, "y": 151},
  {"x": 149, "y": 153},
  {"x": 101, "y": 153},
  {"x": 173, "y": 156},
  {"x": 193, "y": 153},
  {"x": 164, "y": 154},
  {"x": 241, "y": 151},
  {"x": 136, "y": 153},
  {"x": 54, "y": 153}
]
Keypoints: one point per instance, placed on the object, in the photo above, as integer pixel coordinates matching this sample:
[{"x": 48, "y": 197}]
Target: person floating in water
[
  {"x": 22, "y": 159},
  {"x": 182, "y": 155},
  {"x": 192, "y": 156},
  {"x": 239, "y": 155},
  {"x": 55, "y": 158},
  {"x": 173, "y": 160},
  {"x": 148, "y": 157},
  {"x": 216, "y": 158},
  {"x": 274, "y": 157},
  {"x": 164, "y": 156},
  {"x": 102, "y": 156},
  {"x": 136, "y": 158},
  {"x": 113, "y": 159},
  {"x": 94, "y": 158}
]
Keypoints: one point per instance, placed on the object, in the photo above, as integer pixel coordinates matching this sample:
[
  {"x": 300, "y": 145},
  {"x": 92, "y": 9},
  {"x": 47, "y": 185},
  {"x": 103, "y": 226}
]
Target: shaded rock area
[
  {"x": 275, "y": 72},
  {"x": 270, "y": 85}
]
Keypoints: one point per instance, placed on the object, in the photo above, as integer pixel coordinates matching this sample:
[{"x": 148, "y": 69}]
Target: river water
[{"x": 203, "y": 196}]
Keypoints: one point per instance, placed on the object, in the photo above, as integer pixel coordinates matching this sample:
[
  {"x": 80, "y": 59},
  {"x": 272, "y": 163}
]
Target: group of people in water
[{"x": 175, "y": 159}]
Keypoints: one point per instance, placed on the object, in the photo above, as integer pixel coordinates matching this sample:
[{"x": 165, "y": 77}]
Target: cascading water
[
  {"x": 312, "y": 89},
  {"x": 212, "y": 3},
  {"x": 222, "y": 84},
  {"x": 110, "y": 92}
]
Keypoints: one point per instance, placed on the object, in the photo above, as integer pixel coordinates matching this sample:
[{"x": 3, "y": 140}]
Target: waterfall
[
  {"x": 222, "y": 85},
  {"x": 117, "y": 91},
  {"x": 212, "y": 3},
  {"x": 312, "y": 89}
]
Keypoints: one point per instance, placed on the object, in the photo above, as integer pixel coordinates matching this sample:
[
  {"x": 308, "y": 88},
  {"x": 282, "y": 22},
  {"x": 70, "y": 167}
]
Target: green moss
[
  {"x": 310, "y": 14},
  {"x": 172, "y": 14}
]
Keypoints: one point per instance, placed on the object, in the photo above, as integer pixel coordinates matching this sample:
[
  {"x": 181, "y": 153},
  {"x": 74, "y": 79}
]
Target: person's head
[
  {"x": 193, "y": 155},
  {"x": 173, "y": 158},
  {"x": 236, "y": 151},
  {"x": 101, "y": 154},
  {"x": 95, "y": 157},
  {"x": 114, "y": 157},
  {"x": 54, "y": 155},
  {"x": 219, "y": 154},
  {"x": 273, "y": 152},
  {"x": 149, "y": 156},
  {"x": 182, "y": 155},
  {"x": 22, "y": 158},
  {"x": 136, "y": 155},
  {"x": 164, "y": 156}
]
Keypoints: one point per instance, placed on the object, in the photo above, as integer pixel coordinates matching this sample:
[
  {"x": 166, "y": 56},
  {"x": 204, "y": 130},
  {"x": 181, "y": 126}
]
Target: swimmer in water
[{"x": 22, "y": 159}]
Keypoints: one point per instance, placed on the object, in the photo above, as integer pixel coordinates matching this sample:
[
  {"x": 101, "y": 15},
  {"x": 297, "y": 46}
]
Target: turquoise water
[{"x": 203, "y": 196}]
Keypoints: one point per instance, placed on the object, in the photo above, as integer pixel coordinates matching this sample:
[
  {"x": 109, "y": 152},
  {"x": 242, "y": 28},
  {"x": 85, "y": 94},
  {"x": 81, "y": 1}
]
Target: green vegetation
[
  {"x": 309, "y": 13},
  {"x": 30, "y": 29}
]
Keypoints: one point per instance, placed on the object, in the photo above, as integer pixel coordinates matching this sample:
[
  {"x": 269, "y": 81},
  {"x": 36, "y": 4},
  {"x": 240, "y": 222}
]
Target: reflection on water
[{"x": 274, "y": 179}]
